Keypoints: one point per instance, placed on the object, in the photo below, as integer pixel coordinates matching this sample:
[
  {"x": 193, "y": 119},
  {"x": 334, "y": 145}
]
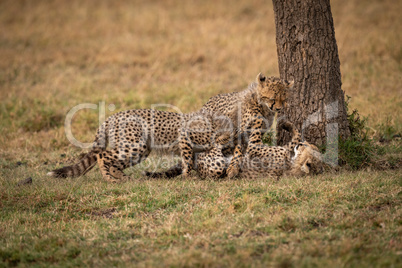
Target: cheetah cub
[
  {"x": 238, "y": 109},
  {"x": 127, "y": 138},
  {"x": 296, "y": 158}
]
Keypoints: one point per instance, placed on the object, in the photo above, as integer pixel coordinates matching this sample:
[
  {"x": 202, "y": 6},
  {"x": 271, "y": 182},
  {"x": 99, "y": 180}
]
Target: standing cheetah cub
[{"x": 127, "y": 138}]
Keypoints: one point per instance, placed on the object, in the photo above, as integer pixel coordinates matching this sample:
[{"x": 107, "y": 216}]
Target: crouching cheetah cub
[{"x": 261, "y": 99}]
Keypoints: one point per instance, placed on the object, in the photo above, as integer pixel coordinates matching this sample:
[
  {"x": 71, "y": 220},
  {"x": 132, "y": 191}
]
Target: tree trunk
[{"x": 308, "y": 54}]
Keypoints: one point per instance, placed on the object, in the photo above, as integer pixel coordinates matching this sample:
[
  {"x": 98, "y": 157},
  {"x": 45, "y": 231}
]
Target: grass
[
  {"x": 352, "y": 219},
  {"x": 58, "y": 54}
]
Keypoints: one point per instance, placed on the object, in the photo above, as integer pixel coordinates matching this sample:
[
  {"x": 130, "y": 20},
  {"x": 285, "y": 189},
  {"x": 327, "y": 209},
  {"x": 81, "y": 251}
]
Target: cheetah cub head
[
  {"x": 272, "y": 91},
  {"x": 307, "y": 160}
]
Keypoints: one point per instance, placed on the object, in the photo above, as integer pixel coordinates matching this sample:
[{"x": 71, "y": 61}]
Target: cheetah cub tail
[{"x": 85, "y": 164}]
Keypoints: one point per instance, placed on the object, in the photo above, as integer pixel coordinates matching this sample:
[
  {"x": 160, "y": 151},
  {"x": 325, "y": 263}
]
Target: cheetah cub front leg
[
  {"x": 186, "y": 152},
  {"x": 234, "y": 166}
]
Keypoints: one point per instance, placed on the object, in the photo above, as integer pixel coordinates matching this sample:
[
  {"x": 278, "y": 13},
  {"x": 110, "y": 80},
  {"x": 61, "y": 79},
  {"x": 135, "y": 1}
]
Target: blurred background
[{"x": 55, "y": 55}]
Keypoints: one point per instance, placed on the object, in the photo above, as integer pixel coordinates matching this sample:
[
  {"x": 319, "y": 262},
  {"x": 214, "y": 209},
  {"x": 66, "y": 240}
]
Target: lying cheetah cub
[{"x": 296, "y": 158}]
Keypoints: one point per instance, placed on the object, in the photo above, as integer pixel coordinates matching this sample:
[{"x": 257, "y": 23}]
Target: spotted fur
[
  {"x": 233, "y": 113},
  {"x": 296, "y": 158},
  {"x": 127, "y": 138}
]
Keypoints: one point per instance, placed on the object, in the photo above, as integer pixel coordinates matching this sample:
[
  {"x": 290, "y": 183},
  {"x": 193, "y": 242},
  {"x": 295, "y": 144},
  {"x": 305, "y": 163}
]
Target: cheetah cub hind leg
[
  {"x": 112, "y": 168},
  {"x": 112, "y": 171}
]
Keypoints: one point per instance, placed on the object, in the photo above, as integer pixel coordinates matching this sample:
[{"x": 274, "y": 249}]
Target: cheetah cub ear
[
  {"x": 291, "y": 83},
  {"x": 305, "y": 168},
  {"x": 261, "y": 78}
]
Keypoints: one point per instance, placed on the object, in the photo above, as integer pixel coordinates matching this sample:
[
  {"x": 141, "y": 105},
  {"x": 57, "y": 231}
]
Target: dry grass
[{"x": 57, "y": 54}]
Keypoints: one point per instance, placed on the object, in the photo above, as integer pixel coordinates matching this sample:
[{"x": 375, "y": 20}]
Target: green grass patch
[{"x": 362, "y": 150}]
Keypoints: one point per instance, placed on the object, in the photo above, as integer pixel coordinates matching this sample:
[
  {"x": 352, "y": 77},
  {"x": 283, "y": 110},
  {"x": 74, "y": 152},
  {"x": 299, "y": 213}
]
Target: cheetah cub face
[
  {"x": 272, "y": 92},
  {"x": 307, "y": 160}
]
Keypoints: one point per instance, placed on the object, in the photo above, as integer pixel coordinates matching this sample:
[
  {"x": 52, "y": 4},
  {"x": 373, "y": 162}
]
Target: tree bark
[{"x": 308, "y": 54}]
